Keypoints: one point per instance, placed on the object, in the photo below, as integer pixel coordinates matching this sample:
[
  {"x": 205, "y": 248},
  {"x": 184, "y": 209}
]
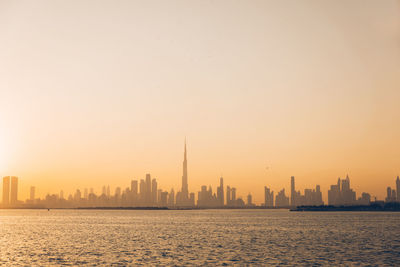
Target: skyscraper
[
  {"x": 171, "y": 198},
  {"x": 85, "y": 193},
  {"x": 292, "y": 192},
  {"x": 341, "y": 193},
  {"x": 134, "y": 187},
  {"x": 185, "y": 190},
  {"x": 142, "y": 191},
  {"x": 32, "y": 193},
  {"x": 148, "y": 189},
  {"x": 14, "y": 190},
  {"x": 249, "y": 200},
  {"x": 233, "y": 195},
  {"x": 6, "y": 190},
  {"x": 154, "y": 196},
  {"x": 220, "y": 192},
  {"x": 398, "y": 189},
  {"x": 268, "y": 197},
  {"x": 182, "y": 197},
  {"x": 228, "y": 195}
]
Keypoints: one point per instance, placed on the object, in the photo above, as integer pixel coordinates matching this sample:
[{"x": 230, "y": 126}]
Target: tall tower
[
  {"x": 220, "y": 192},
  {"x": 398, "y": 189},
  {"x": 185, "y": 190},
  {"x": 14, "y": 190},
  {"x": 6, "y": 190},
  {"x": 32, "y": 193},
  {"x": 147, "y": 196},
  {"x": 292, "y": 192}
]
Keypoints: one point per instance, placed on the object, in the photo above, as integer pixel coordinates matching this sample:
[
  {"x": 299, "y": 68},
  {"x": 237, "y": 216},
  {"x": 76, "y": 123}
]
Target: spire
[{"x": 185, "y": 150}]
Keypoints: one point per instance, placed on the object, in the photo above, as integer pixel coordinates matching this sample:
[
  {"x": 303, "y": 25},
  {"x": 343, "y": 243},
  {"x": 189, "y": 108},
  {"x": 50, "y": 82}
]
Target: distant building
[
  {"x": 171, "y": 198},
  {"x": 341, "y": 193},
  {"x": 32, "y": 193},
  {"x": 250, "y": 200},
  {"x": 365, "y": 199},
  {"x": 220, "y": 192},
  {"x": 147, "y": 192},
  {"x": 293, "y": 194},
  {"x": 14, "y": 190},
  {"x": 281, "y": 200},
  {"x": 398, "y": 189},
  {"x": 154, "y": 191},
  {"x": 228, "y": 196},
  {"x": 391, "y": 195},
  {"x": 268, "y": 197},
  {"x": 6, "y": 190},
  {"x": 183, "y": 198}
]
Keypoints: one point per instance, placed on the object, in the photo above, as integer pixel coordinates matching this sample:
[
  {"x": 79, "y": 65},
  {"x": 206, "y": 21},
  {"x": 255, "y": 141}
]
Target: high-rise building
[
  {"x": 220, "y": 192},
  {"x": 268, "y": 197},
  {"x": 171, "y": 198},
  {"x": 147, "y": 196},
  {"x": 163, "y": 199},
  {"x": 233, "y": 192},
  {"x": 292, "y": 192},
  {"x": 185, "y": 190},
  {"x": 6, "y": 190},
  {"x": 398, "y": 189},
  {"x": 154, "y": 191},
  {"x": 391, "y": 195},
  {"x": 142, "y": 191},
  {"x": 341, "y": 193},
  {"x": 134, "y": 192},
  {"x": 134, "y": 187},
  {"x": 32, "y": 193},
  {"x": 228, "y": 196},
  {"x": 281, "y": 200},
  {"x": 14, "y": 190},
  {"x": 78, "y": 195},
  {"x": 250, "y": 200},
  {"x": 182, "y": 197},
  {"x": 85, "y": 193}
]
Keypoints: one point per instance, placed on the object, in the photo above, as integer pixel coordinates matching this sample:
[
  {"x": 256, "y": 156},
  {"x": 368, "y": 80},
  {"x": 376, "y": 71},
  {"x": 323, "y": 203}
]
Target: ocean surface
[{"x": 198, "y": 237}]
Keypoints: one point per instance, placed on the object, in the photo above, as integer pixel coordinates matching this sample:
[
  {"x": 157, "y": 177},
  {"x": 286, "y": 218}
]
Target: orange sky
[{"x": 97, "y": 93}]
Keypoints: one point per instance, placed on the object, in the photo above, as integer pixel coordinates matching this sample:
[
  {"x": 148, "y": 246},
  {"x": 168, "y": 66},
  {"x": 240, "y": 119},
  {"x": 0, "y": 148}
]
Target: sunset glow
[{"x": 101, "y": 94}]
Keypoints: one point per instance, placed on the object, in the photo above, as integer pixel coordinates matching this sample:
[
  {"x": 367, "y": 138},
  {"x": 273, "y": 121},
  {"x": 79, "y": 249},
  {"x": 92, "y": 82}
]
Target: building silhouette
[
  {"x": 250, "y": 201},
  {"x": 146, "y": 193},
  {"x": 6, "y": 191},
  {"x": 14, "y": 191},
  {"x": 341, "y": 194},
  {"x": 281, "y": 200},
  {"x": 220, "y": 192},
  {"x": 183, "y": 199},
  {"x": 293, "y": 192},
  {"x": 32, "y": 193},
  {"x": 268, "y": 197}
]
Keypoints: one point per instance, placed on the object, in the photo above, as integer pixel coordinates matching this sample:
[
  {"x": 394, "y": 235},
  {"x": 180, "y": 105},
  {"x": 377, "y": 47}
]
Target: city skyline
[
  {"x": 199, "y": 133},
  {"x": 260, "y": 89},
  {"x": 146, "y": 193}
]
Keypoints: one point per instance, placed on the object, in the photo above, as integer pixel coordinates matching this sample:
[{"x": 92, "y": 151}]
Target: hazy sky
[{"x": 101, "y": 92}]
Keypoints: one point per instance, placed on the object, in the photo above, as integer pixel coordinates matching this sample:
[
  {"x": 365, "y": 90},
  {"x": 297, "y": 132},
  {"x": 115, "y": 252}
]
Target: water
[{"x": 198, "y": 237}]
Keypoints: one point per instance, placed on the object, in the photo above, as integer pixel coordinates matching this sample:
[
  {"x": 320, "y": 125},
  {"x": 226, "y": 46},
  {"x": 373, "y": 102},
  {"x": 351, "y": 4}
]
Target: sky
[{"x": 97, "y": 93}]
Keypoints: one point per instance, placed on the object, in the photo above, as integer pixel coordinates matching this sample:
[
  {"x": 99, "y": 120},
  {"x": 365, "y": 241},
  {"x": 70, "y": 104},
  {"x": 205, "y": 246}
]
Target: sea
[{"x": 198, "y": 238}]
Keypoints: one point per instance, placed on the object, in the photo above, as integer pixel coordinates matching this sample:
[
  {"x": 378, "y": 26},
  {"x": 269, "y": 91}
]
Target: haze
[{"x": 97, "y": 93}]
